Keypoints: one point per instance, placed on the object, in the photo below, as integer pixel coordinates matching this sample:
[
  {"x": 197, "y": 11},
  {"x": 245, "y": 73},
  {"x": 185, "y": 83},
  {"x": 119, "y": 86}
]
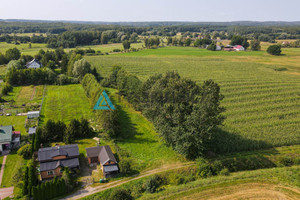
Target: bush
[
  {"x": 125, "y": 166},
  {"x": 153, "y": 183},
  {"x": 204, "y": 168},
  {"x": 117, "y": 50},
  {"x": 274, "y": 50},
  {"x": 6, "y": 89},
  {"x": 63, "y": 79},
  {"x": 121, "y": 194},
  {"x": 224, "y": 172},
  {"x": 286, "y": 161},
  {"x": 25, "y": 151}
]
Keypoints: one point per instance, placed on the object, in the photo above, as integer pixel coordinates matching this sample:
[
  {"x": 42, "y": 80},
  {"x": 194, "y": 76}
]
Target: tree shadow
[{"x": 226, "y": 142}]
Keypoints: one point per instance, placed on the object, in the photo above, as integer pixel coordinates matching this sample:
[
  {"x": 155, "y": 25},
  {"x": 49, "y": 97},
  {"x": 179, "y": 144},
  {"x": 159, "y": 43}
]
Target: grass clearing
[
  {"x": 66, "y": 103},
  {"x": 261, "y": 103},
  {"x": 24, "y": 48},
  {"x": 143, "y": 144},
  {"x": 13, "y": 164}
]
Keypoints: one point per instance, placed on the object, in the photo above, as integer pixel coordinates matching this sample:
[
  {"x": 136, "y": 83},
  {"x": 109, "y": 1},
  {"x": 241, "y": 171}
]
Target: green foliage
[
  {"x": 73, "y": 58},
  {"x": 151, "y": 42},
  {"x": 126, "y": 44},
  {"x": 25, "y": 182},
  {"x": 212, "y": 47},
  {"x": 15, "y": 64},
  {"x": 12, "y": 54},
  {"x": 121, "y": 194},
  {"x": 32, "y": 177},
  {"x": 51, "y": 65},
  {"x": 239, "y": 40},
  {"x": 49, "y": 189},
  {"x": 255, "y": 45},
  {"x": 25, "y": 151},
  {"x": 110, "y": 122},
  {"x": 125, "y": 165},
  {"x": 204, "y": 168},
  {"x": 6, "y": 89},
  {"x": 63, "y": 79},
  {"x": 92, "y": 88},
  {"x": 153, "y": 183},
  {"x": 224, "y": 172},
  {"x": 81, "y": 67},
  {"x": 30, "y": 76},
  {"x": 37, "y": 141},
  {"x": 274, "y": 50}
]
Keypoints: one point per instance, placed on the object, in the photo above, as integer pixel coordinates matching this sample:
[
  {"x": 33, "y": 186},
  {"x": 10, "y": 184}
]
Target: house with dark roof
[
  {"x": 104, "y": 156},
  {"x": 9, "y": 139},
  {"x": 53, "y": 159},
  {"x": 34, "y": 64}
]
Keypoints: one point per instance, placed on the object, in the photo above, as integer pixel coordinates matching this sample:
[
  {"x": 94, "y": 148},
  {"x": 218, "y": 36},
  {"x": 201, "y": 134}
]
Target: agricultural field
[
  {"x": 107, "y": 47},
  {"x": 261, "y": 91},
  {"x": 66, "y": 103},
  {"x": 24, "y": 48}
]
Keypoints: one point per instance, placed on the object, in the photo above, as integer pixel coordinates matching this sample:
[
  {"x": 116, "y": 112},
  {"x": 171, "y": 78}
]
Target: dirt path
[
  {"x": 244, "y": 191},
  {"x": 33, "y": 93},
  {"x": 92, "y": 190},
  {"x": 6, "y": 192},
  {"x": 2, "y": 169}
]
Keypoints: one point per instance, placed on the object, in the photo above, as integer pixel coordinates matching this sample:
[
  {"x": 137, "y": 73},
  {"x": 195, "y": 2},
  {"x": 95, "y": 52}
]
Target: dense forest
[{"x": 72, "y": 34}]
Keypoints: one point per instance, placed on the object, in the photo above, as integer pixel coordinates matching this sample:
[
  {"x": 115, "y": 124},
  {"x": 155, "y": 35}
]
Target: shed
[
  {"x": 32, "y": 130},
  {"x": 33, "y": 114}
]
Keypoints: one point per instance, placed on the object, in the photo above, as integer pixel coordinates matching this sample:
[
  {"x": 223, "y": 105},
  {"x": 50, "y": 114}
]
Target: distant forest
[{"x": 71, "y": 34}]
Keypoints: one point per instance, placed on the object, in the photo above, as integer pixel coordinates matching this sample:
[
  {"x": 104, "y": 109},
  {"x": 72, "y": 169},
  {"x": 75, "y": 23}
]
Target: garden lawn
[
  {"x": 18, "y": 122},
  {"x": 66, "y": 103},
  {"x": 13, "y": 164}
]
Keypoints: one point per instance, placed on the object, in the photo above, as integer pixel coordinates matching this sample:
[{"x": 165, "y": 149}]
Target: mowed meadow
[{"x": 262, "y": 92}]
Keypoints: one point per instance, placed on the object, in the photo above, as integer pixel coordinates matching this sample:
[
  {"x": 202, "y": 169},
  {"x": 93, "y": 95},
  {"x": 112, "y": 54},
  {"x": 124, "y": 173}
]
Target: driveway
[
  {"x": 2, "y": 169},
  {"x": 6, "y": 192}
]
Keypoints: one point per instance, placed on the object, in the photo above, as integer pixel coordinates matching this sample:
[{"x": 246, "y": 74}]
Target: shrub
[
  {"x": 224, "y": 172},
  {"x": 6, "y": 89},
  {"x": 204, "y": 168},
  {"x": 25, "y": 151},
  {"x": 117, "y": 50},
  {"x": 121, "y": 194},
  {"x": 153, "y": 183},
  {"x": 274, "y": 50},
  {"x": 125, "y": 166},
  {"x": 286, "y": 161}
]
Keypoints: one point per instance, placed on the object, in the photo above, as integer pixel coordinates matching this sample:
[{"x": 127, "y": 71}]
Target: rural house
[
  {"x": 34, "y": 64},
  {"x": 33, "y": 114},
  {"x": 104, "y": 156},
  {"x": 239, "y": 48},
  {"x": 53, "y": 159},
  {"x": 9, "y": 139}
]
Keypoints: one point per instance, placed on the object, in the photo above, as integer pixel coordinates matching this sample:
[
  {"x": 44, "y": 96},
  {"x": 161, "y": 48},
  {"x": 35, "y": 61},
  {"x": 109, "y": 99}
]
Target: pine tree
[
  {"x": 32, "y": 144},
  {"x": 25, "y": 181},
  {"x": 32, "y": 179}
]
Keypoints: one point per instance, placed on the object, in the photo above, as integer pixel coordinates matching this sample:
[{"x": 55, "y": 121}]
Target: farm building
[
  {"x": 53, "y": 159},
  {"x": 218, "y": 48},
  {"x": 34, "y": 64},
  {"x": 33, "y": 114},
  {"x": 229, "y": 48},
  {"x": 9, "y": 139},
  {"x": 104, "y": 156}
]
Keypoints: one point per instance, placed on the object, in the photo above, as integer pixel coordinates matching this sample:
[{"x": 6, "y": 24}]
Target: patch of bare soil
[{"x": 256, "y": 191}]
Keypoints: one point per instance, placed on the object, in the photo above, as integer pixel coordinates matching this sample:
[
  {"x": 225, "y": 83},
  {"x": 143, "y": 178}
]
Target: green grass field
[
  {"x": 66, "y": 103},
  {"x": 262, "y": 104},
  {"x": 24, "y": 48},
  {"x": 13, "y": 163}
]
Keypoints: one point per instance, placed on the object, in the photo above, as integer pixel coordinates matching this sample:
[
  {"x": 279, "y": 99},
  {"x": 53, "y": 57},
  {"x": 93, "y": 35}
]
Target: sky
[{"x": 152, "y": 10}]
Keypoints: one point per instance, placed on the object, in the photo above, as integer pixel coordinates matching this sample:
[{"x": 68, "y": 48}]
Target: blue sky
[{"x": 152, "y": 10}]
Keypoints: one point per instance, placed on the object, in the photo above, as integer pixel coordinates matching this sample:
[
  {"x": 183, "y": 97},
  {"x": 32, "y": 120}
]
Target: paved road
[
  {"x": 2, "y": 168},
  {"x": 6, "y": 192},
  {"x": 92, "y": 190}
]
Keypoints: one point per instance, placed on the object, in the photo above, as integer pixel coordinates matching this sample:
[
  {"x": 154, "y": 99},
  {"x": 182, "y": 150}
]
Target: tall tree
[
  {"x": 12, "y": 54},
  {"x": 37, "y": 141},
  {"x": 126, "y": 44},
  {"x": 25, "y": 182}
]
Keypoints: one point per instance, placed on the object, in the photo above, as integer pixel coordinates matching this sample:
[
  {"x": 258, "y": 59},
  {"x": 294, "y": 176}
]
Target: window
[{"x": 50, "y": 173}]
